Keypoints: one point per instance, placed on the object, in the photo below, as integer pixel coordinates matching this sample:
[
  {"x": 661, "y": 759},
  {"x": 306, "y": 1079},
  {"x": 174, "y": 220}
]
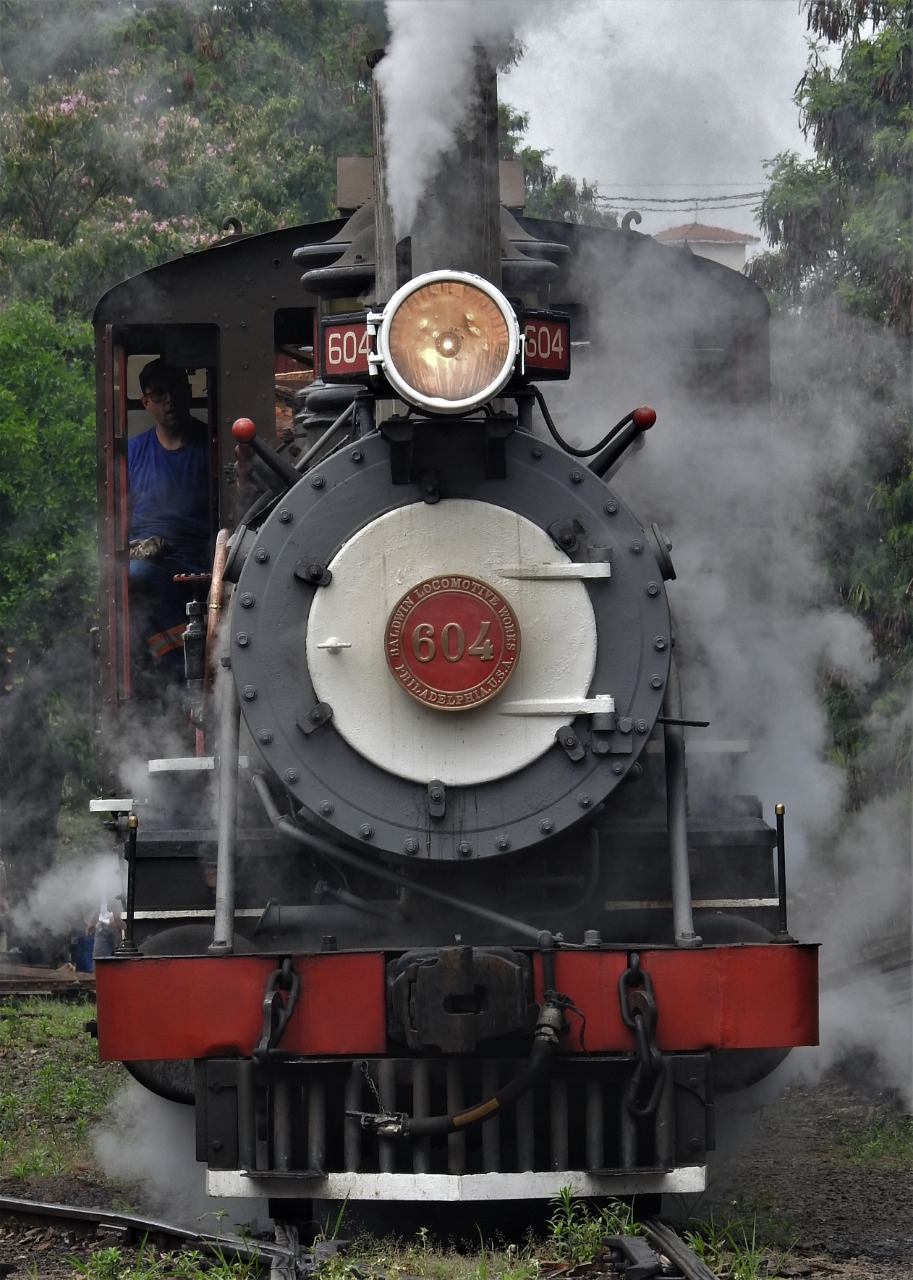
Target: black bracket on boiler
[{"x": 400, "y": 435}]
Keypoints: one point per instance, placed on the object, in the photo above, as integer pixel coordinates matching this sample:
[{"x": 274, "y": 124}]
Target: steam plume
[{"x": 427, "y": 77}]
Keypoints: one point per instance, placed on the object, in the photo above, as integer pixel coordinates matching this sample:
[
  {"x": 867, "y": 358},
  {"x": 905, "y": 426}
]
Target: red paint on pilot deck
[
  {"x": 744, "y": 996},
  {"x": 208, "y": 1006}
]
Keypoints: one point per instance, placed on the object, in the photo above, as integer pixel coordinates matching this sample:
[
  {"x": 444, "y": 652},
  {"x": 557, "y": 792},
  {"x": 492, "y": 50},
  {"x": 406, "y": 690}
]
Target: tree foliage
[
  {"x": 137, "y": 137},
  {"x": 47, "y": 477},
  {"x": 842, "y": 272},
  {"x": 843, "y": 222}
]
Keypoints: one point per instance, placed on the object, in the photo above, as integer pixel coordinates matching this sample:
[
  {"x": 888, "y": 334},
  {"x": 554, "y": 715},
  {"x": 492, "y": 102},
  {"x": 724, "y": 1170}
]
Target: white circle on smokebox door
[{"x": 382, "y": 722}]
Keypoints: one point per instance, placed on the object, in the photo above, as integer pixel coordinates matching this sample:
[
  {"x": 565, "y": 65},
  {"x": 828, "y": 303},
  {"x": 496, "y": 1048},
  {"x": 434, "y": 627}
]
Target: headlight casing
[{"x": 448, "y": 342}]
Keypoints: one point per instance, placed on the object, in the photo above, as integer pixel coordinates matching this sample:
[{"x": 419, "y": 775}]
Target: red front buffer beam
[{"x": 245, "y": 432}]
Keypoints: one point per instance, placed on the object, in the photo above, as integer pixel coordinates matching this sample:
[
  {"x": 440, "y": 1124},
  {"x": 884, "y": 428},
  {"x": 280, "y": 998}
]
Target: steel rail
[
  {"x": 673, "y": 1246},
  {"x": 135, "y": 1229},
  {"x": 285, "y": 1258}
]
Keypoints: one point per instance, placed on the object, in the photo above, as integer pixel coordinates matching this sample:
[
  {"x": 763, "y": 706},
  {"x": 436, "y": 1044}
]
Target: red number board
[
  {"x": 346, "y": 348},
  {"x": 547, "y": 345}
]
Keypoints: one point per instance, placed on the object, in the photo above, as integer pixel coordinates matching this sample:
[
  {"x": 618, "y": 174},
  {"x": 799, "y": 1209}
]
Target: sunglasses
[{"x": 159, "y": 394}]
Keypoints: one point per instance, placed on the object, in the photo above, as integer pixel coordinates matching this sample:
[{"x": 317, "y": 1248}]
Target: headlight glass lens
[{"x": 449, "y": 341}]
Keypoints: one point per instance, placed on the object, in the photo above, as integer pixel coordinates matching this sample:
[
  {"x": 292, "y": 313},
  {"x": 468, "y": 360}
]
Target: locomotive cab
[{"x": 266, "y": 359}]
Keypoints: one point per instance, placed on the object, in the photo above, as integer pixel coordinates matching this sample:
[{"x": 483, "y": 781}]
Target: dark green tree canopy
[
  {"x": 843, "y": 222},
  {"x": 47, "y": 477},
  {"x": 135, "y": 140}
]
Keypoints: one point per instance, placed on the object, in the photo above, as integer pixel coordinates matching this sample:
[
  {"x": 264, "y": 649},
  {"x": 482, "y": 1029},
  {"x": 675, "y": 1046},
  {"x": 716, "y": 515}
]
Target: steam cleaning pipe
[
  {"x": 223, "y": 941},
  {"x": 288, "y": 827},
  {"x": 676, "y": 813},
  {"x": 216, "y": 594}
]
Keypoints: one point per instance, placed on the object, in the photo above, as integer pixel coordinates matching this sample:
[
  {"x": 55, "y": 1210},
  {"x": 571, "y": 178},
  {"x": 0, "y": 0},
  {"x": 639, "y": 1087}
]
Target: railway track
[
  {"x": 659, "y": 1253},
  {"x": 37, "y": 980},
  {"x": 107, "y": 1227}
]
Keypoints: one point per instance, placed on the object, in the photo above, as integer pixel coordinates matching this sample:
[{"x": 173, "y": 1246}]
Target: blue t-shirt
[{"x": 169, "y": 493}]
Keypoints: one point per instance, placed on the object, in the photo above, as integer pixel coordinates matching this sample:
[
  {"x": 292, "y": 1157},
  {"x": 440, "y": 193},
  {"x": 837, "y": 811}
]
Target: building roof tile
[{"x": 700, "y": 233}]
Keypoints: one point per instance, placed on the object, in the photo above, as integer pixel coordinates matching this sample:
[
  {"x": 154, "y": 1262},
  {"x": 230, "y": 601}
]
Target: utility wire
[
  {"x": 747, "y": 183},
  {"x": 650, "y": 208},
  {"x": 686, "y": 200}
]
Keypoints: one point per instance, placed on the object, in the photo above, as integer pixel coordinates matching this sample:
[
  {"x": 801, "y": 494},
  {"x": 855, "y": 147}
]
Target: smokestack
[{"x": 458, "y": 221}]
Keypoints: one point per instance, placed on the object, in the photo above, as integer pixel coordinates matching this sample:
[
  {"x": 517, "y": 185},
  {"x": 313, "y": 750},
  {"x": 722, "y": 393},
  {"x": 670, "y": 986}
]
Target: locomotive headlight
[{"x": 448, "y": 342}]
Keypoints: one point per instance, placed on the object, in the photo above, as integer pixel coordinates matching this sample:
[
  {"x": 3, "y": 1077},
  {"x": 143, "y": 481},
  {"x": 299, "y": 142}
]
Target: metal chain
[
  {"x": 373, "y": 1087},
  {"x": 638, "y": 1012}
]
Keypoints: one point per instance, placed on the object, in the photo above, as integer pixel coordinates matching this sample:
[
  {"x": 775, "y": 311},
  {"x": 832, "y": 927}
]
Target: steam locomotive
[{"x": 417, "y": 906}]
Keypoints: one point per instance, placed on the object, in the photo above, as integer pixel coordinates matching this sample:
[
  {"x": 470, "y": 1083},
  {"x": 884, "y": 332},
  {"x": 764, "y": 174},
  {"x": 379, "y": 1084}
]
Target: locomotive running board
[{"x": 686, "y": 1180}]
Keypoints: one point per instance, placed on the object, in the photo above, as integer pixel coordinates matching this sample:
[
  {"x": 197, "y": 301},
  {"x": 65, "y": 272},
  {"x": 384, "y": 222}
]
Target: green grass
[
  {"x": 576, "y": 1229},
  {"x": 189, "y": 1264},
  {"x": 53, "y": 1088},
  {"x": 733, "y": 1250},
  {"x": 887, "y": 1142}
]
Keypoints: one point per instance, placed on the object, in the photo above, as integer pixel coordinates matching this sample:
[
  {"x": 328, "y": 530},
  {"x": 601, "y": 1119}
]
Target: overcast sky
[{"x": 665, "y": 98}]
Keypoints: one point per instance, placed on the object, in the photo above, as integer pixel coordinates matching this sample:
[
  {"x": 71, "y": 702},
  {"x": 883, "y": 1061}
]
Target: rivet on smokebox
[
  {"x": 317, "y": 482},
  {"x": 285, "y": 515},
  {"x": 464, "y": 849},
  {"x": 366, "y": 831},
  {"x": 248, "y": 693},
  {"x": 261, "y": 555},
  {"x": 660, "y": 643}
]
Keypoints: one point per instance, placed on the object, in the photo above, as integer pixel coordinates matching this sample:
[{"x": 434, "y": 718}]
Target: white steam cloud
[
  {"x": 146, "y": 1140},
  {"x": 757, "y": 633},
  {"x": 426, "y": 79},
  {"x": 70, "y": 894}
]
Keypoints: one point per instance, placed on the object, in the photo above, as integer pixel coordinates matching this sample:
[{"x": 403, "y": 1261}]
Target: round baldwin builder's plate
[{"x": 452, "y": 642}]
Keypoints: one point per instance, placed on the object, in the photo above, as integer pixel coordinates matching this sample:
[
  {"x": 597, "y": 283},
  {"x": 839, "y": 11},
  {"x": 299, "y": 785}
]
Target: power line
[
  {"x": 652, "y": 208},
  {"x": 716, "y": 202},
  {"x": 746, "y": 183}
]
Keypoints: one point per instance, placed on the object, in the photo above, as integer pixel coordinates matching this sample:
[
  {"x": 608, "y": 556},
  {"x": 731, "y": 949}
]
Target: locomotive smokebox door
[{"x": 531, "y": 606}]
